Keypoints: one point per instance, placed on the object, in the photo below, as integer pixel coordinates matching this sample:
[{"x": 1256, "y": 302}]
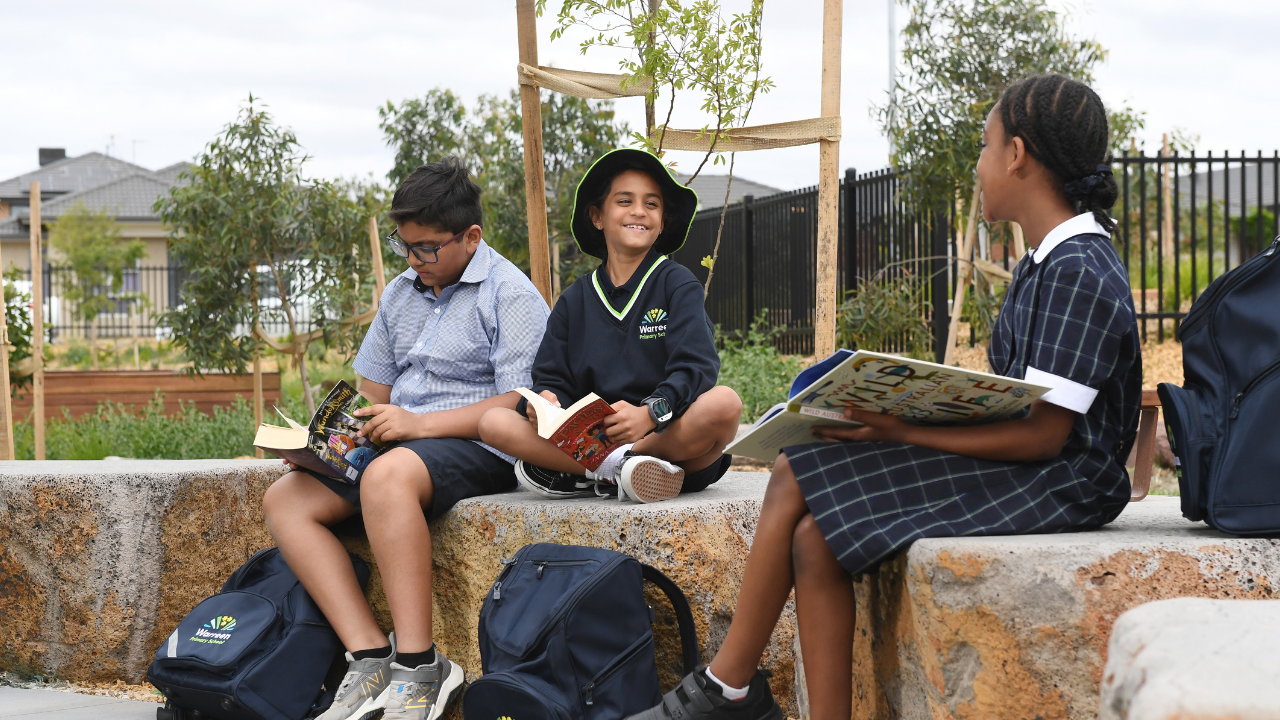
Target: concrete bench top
[
  {"x": 99, "y": 560},
  {"x": 1194, "y": 659}
]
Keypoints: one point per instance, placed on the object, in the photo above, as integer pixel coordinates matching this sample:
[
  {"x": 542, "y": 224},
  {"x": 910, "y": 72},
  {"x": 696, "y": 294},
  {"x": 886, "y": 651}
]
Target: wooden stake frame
[
  {"x": 535, "y": 188},
  {"x": 964, "y": 274},
  {"x": 824, "y": 312},
  {"x": 37, "y": 325}
]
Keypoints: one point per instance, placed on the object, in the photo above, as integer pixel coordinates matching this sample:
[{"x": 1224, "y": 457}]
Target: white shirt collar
[{"x": 1082, "y": 224}]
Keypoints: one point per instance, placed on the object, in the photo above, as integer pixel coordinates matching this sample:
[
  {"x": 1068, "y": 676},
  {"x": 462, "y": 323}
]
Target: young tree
[
  {"x": 260, "y": 242},
  {"x": 958, "y": 56},
  {"x": 683, "y": 46},
  {"x": 89, "y": 243}
]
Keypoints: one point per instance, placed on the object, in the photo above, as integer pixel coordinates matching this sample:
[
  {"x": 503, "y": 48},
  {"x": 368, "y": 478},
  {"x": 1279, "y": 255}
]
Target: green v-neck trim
[{"x": 619, "y": 316}]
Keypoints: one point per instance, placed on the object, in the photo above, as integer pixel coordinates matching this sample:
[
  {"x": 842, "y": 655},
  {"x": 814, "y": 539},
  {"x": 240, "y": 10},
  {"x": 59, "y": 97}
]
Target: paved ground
[{"x": 42, "y": 704}]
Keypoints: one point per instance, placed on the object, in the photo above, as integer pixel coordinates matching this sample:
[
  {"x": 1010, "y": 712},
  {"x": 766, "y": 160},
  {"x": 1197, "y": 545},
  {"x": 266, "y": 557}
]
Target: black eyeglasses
[{"x": 424, "y": 253}]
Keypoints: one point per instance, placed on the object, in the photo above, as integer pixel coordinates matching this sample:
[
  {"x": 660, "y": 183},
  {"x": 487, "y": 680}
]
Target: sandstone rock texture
[
  {"x": 1017, "y": 627},
  {"x": 100, "y": 560},
  {"x": 1194, "y": 659}
]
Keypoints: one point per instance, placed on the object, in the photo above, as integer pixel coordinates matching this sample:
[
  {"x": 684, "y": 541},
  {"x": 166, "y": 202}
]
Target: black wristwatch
[{"x": 659, "y": 412}]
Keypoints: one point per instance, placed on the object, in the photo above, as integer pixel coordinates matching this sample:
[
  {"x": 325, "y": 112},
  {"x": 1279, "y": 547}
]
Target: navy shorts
[{"x": 459, "y": 469}]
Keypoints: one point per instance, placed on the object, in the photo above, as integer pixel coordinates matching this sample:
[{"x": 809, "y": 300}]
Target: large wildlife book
[
  {"x": 329, "y": 445},
  {"x": 577, "y": 430},
  {"x": 919, "y": 392}
]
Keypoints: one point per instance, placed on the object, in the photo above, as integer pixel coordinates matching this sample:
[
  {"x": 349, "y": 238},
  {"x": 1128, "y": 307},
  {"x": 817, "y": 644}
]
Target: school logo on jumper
[
  {"x": 215, "y": 632},
  {"x": 653, "y": 324}
]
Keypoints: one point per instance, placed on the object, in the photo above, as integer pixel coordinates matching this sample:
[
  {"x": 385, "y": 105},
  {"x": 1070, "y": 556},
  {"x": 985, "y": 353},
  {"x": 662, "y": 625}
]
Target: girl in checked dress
[{"x": 837, "y": 508}]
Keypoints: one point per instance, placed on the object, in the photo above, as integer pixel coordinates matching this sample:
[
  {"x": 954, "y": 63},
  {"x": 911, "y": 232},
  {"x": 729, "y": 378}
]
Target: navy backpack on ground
[
  {"x": 1224, "y": 423},
  {"x": 258, "y": 650},
  {"x": 565, "y": 634}
]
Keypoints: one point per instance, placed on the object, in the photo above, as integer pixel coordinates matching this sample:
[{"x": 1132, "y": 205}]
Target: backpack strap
[{"x": 684, "y": 617}]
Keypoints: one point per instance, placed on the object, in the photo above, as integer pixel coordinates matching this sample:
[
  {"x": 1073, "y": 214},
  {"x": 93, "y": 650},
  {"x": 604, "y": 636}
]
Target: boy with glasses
[{"x": 455, "y": 334}]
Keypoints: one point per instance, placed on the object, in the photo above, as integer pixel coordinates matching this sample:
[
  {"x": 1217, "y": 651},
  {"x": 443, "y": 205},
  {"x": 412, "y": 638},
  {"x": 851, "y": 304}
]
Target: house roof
[
  {"x": 102, "y": 183},
  {"x": 129, "y": 198},
  {"x": 71, "y": 175},
  {"x": 710, "y": 189}
]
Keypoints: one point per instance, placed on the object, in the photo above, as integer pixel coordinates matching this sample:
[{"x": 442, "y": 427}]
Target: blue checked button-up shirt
[{"x": 477, "y": 340}]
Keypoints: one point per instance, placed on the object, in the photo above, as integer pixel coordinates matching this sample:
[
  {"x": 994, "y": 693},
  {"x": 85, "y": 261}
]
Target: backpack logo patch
[
  {"x": 215, "y": 632},
  {"x": 653, "y": 324}
]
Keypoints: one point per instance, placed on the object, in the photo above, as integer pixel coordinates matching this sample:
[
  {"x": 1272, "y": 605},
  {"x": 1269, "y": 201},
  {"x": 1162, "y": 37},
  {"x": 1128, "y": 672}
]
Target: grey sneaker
[
  {"x": 357, "y": 696},
  {"x": 424, "y": 692}
]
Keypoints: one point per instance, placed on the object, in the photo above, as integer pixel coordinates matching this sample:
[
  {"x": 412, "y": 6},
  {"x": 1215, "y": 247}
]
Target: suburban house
[{"x": 101, "y": 182}]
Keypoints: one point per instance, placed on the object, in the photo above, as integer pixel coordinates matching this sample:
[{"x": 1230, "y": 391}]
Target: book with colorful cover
[
  {"x": 330, "y": 445},
  {"x": 919, "y": 392},
  {"x": 577, "y": 430}
]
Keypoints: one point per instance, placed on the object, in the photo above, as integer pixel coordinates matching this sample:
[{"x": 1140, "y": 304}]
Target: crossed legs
[
  {"x": 694, "y": 441},
  {"x": 789, "y": 550},
  {"x": 393, "y": 491}
]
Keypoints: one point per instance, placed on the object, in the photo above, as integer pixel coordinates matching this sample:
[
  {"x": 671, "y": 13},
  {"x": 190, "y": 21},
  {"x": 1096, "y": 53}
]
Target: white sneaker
[{"x": 648, "y": 479}]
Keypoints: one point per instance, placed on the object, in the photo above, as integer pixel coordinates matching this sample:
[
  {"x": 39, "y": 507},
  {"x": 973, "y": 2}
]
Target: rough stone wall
[
  {"x": 99, "y": 561},
  {"x": 1017, "y": 627}
]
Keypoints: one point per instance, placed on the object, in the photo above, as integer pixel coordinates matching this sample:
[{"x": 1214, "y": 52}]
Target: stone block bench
[
  {"x": 99, "y": 560},
  {"x": 1194, "y": 659}
]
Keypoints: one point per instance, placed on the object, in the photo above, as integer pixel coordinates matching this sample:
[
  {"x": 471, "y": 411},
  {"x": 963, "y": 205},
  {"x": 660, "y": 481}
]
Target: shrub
[
  {"x": 113, "y": 430},
  {"x": 752, "y": 366},
  {"x": 885, "y": 314}
]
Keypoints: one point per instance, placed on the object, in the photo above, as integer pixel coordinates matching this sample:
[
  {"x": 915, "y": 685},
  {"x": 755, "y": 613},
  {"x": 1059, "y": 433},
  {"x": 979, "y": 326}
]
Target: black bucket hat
[{"x": 680, "y": 202}]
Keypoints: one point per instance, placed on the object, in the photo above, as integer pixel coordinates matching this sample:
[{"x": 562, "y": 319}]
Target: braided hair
[{"x": 1064, "y": 126}]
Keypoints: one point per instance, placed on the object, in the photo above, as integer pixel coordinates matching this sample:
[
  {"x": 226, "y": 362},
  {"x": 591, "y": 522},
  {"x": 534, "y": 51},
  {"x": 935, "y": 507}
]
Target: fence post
[
  {"x": 749, "y": 256},
  {"x": 850, "y": 232}
]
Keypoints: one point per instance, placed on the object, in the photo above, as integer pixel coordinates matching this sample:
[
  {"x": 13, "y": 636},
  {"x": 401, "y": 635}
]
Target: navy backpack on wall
[
  {"x": 565, "y": 634},
  {"x": 1224, "y": 423},
  {"x": 258, "y": 650}
]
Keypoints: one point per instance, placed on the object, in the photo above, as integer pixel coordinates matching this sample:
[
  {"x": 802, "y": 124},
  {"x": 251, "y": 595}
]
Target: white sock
[
  {"x": 730, "y": 693},
  {"x": 608, "y": 469}
]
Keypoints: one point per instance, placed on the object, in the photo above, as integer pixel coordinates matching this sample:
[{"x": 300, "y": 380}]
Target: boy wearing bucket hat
[{"x": 634, "y": 332}]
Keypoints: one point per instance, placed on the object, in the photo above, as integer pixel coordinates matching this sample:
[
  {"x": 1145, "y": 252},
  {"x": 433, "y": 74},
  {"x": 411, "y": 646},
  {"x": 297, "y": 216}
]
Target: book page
[
  {"x": 917, "y": 391},
  {"x": 548, "y": 415},
  {"x": 765, "y": 440}
]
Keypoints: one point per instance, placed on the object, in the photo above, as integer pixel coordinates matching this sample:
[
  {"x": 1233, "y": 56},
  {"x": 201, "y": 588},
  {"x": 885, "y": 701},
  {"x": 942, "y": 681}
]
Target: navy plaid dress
[{"x": 1070, "y": 315}]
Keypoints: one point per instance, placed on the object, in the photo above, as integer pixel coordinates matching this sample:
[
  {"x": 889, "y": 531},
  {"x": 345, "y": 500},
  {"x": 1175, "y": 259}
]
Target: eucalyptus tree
[{"x": 261, "y": 243}]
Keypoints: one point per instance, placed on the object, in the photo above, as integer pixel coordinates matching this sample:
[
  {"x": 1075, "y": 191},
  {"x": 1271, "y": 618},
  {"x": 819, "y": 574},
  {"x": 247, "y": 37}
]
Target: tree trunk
[
  {"x": 301, "y": 359},
  {"x": 724, "y": 209}
]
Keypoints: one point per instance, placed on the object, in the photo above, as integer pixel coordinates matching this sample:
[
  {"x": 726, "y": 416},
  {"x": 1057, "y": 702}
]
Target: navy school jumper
[{"x": 650, "y": 336}]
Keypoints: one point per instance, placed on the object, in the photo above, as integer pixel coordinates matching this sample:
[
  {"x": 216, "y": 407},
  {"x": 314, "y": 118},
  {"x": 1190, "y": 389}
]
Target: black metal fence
[
  {"x": 768, "y": 251},
  {"x": 1182, "y": 221},
  {"x": 134, "y": 310}
]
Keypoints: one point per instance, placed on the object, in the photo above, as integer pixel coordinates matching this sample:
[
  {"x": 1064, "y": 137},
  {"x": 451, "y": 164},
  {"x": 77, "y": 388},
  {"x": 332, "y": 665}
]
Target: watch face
[{"x": 661, "y": 408}]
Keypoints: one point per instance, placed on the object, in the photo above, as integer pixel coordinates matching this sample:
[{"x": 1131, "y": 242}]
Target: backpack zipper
[
  {"x": 1193, "y": 319},
  {"x": 507, "y": 564},
  {"x": 542, "y": 565},
  {"x": 582, "y": 588},
  {"x": 1235, "y": 402}
]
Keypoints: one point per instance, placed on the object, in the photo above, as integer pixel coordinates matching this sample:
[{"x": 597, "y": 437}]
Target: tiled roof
[
  {"x": 170, "y": 174},
  {"x": 710, "y": 189},
  {"x": 71, "y": 175},
  {"x": 129, "y": 198}
]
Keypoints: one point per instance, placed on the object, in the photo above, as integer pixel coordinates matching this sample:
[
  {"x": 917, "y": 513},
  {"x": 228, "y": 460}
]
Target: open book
[
  {"x": 919, "y": 392},
  {"x": 329, "y": 445},
  {"x": 577, "y": 430}
]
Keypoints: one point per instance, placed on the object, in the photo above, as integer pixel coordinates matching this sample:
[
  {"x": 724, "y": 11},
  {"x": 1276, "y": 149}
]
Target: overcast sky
[{"x": 155, "y": 81}]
